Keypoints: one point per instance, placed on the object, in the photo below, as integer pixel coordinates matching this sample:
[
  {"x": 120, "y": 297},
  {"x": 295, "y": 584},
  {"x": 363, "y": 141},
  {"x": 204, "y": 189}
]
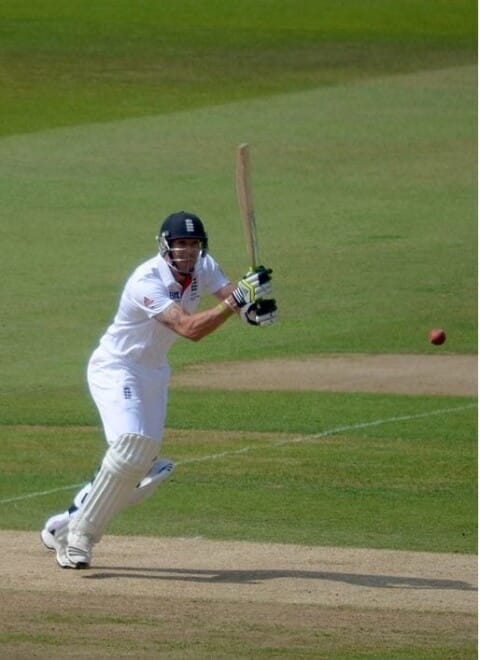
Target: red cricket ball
[{"x": 437, "y": 336}]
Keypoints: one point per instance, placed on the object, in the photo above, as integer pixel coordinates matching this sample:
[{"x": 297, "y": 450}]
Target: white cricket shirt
[{"x": 135, "y": 335}]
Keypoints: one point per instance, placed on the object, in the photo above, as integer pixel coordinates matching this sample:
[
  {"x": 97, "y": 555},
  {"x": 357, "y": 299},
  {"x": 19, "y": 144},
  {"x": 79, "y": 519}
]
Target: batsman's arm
[
  {"x": 234, "y": 298},
  {"x": 200, "y": 324}
]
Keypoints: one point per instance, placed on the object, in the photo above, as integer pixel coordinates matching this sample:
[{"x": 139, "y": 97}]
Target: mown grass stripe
[{"x": 279, "y": 443}]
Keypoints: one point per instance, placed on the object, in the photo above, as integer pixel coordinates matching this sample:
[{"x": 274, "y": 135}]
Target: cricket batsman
[{"x": 128, "y": 374}]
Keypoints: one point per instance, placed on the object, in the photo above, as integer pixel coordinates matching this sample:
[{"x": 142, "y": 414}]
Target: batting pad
[{"x": 125, "y": 463}]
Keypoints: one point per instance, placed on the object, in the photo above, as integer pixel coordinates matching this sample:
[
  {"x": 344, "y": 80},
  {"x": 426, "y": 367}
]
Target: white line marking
[
  {"x": 323, "y": 434},
  {"x": 41, "y": 493},
  {"x": 279, "y": 443}
]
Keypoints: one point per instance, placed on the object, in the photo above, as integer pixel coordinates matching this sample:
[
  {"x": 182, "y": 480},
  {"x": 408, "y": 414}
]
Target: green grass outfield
[
  {"x": 362, "y": 123},
  {"x": 352, "y": 470},
  {"x": 65, "y": 63},
  {"x": 365, "y": 196}
]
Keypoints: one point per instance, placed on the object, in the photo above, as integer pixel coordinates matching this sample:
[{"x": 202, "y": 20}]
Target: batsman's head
[{"x": 181, "y": 240}]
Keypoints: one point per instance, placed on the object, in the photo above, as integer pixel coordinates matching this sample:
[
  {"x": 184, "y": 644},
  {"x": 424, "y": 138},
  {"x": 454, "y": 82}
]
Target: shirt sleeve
[
  {"x": 150, "y": 296},
  {"x": 214, "y": 277}
]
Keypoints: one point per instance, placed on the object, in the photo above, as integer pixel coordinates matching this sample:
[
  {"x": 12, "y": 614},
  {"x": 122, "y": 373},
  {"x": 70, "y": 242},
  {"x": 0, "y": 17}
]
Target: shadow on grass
[{"x": 256, "y": 577}]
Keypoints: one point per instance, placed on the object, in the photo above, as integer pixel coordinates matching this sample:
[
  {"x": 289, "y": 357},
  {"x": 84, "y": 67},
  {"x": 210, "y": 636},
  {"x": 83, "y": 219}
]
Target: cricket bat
[{"x": 245, "y": 202}]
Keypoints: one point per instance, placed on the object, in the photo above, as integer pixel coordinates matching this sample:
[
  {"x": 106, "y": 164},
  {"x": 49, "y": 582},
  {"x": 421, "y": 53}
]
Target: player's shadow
[{"x": 258, "y": 576}]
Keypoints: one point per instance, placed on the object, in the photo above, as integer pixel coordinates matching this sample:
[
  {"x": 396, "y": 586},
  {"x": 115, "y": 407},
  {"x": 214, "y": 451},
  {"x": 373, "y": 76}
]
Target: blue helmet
[{"x": 181, "y": 224}]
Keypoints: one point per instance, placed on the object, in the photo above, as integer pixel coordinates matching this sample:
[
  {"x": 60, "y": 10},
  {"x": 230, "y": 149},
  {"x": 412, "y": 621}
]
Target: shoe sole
[
  {"x": 80, "y": 566},
  {"x": 64, "y": 562},
  {"x": 79, "y": 560}
]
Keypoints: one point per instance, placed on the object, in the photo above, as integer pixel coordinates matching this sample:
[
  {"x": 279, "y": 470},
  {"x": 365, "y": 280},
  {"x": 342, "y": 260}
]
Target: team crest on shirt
[{"x": 148, "y": 302}]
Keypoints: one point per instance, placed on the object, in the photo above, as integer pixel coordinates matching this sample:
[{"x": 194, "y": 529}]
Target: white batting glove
[
  {"x": 261, "y": 312},
  {"x": 254, "y": 285}
]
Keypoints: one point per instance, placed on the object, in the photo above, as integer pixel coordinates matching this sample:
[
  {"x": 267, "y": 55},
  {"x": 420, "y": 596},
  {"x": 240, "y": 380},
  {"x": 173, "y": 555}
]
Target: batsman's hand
[
  {"x": 254, "y": 285},
  {"x": 261, "y": 312}
]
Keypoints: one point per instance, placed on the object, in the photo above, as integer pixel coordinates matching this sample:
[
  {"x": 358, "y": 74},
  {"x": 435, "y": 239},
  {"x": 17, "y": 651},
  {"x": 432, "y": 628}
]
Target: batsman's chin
[{"x": 183, "y": 266}]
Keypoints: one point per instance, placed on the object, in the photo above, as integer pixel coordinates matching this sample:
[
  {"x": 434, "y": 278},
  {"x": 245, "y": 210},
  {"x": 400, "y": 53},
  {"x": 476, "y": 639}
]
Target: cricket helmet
[{"x": 181, "y": 224}]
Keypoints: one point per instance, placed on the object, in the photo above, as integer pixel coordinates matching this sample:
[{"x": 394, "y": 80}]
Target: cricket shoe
[
  {"x": 76, "y": 554},
  {"x": 62, "y": 560},
  {"x": 61, "y": 541},
  {"x": 79, "y": 551},
  {"x": 55, "y": 529},
  {"x": 48, "y": 539},
  {"x": 160, "y": 470}
]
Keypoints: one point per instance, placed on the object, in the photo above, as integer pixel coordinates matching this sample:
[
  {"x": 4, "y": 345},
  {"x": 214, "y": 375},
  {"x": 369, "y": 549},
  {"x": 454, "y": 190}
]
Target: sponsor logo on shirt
[{"x": 175, "y": 295}]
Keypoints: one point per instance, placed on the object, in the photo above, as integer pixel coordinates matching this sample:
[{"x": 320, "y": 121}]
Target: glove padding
[
  {"x": 261, "y": 312},
  {"x": 256, "y": 284}
]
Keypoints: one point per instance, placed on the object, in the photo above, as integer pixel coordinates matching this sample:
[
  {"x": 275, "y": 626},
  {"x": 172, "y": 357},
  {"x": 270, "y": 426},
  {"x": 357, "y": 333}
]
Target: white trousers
[{"x": 129, "y": 398}]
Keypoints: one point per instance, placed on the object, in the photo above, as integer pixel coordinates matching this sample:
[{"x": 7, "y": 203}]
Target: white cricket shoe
[
  {"x": 48, "y": 539},
  {"x": 62, "y": 560},
  {"x": 77, "y": 554},
  {"x": 79, "y": 551},
  {"x": 53, "y": 528},
  {"x": 61, "y": 542},
  {"x": 58, "y": 540}
]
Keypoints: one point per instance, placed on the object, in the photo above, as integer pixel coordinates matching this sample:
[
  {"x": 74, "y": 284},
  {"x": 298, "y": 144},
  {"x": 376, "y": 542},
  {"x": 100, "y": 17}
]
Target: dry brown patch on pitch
[
  {"x": 444, "y": 374},
  {"x": 201, "y": 599}
]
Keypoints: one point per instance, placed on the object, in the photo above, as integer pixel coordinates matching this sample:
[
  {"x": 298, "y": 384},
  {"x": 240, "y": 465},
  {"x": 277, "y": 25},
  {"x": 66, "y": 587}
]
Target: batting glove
[
  {"x": 256, "y": 284},
  {"x": 261, "y": 312}
]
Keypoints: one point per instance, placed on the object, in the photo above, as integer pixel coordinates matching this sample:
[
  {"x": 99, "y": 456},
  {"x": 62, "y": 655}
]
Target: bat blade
[{"x": 245, "y": 202}]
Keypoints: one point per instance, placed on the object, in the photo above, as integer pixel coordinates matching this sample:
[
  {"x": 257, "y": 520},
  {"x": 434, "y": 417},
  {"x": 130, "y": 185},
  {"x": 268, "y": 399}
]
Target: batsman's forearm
[{"x": 200, "y": 324}]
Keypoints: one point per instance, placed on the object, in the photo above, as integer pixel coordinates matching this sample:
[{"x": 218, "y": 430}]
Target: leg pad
[{"x": 125, "y": 463}]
